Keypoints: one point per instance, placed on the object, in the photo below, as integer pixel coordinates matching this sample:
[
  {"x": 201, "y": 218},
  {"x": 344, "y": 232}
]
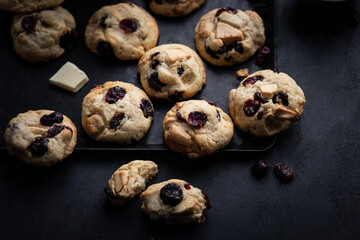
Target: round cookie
[
  {"x": 175, "y": 201},
  {"x": 171, "y": 71},
  {"x": 117, "y": 112},
  {"x": 124, "y": 30},
  {"x": 266, "y": 103},
  {"x": 226, "y": 36},
  {"x": 175, "y": 8},
  {"x": 197, "y": 128},
  {"x": 44, "y": 35},
  {"x": 28, "y": 6},
  {"x": 40, "y": 138}
]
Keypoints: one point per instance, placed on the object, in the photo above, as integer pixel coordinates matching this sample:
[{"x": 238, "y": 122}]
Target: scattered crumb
[{"x": 242, "y": 73}]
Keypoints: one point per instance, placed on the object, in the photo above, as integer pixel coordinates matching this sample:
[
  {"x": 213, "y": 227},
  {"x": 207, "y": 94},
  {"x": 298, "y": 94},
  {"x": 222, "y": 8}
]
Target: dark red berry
[
  {"x": 187, "y": 186},
  {"x": 154, "y": 82},
  {"x": 39, "y": 146},
  {"x": 154, "y": 61},
  {"x": 263, "y": 54},
  {"x": 197, "y": 119},
  {"x": 259, "y": 168},
  {"x": 147, "y": 108},
  {"x": 115, "y": 122},
  {"x": 228, "y": 9},
  {"x": 260, "y": 114},
  {"x": 211, "y": 103},
  {"x": 251, "y": 107},
  {"x": 211, "y": 52},
  {"x": 176, "y": 96},
  {"x": 50, "y": 119},
  {"x": 102, "y": 22},
  {"x": 252, "y": 80},
  {"x": 128, "y": 25},
  {"x": 68, "y": 40},
  {"x": 260, "y": 98},
  {"x": 178, "y": 115},
  {"x": 284, "y": 173},
  {"x": 281, "y": 96},
  {"x": 218, "y": 115},
  {"x": 28, "y": 23},
  {"x": 55, "y": 130},
  {"x": 180, "y": 71},
  {"x": 171, "y": 194},
  {"x": 207, "y": 204},
  {"x": 110, "y": 193},
  {"x": 105, "y": 49},
  {"x": 114, "y": 94}
]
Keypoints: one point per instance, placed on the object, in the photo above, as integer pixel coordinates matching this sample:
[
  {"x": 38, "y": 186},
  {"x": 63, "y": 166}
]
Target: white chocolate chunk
[
  {"x": 175, "y": 55},
  {"x": 228, "y": 33},
  {"x": 268, "y": 90},
  {"x": 69, "y": 77}
]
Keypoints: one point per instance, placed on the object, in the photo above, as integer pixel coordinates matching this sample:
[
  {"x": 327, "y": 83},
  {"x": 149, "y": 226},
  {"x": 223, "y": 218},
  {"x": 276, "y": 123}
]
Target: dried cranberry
[
  {"x": 187, "y": 186},
  {"x": 263, "y": 54},
  {"x": 154, "y": 61},
  {"x": 207, "y": 204},
  {"x": 228, "y": 9},
  {"x": 281, "y": 96},
  {"x": 114, "y": 94},
  {"x": 260, "y": 114},
  {"x": 147, "y": 108},
  {"x": 171, "y": 194},
  {"x": 260, "y": 168},
  {"x": 252, "y": 80},
  {"x": 178, "y": 115},
  {"x": 39, "y": 146},
  {"x": 260, "y": 98},
  {"x": 50, "y": 119},
  {"x": 102, "y": 22},
  {"x": 115, "y": 122},
  {"x": 28, "y": 23},
  {"x": 105, "y": 49},
  {"x": 180, "y": 71},
  {"x": 197, "y": 119},
  {"x": 154, "y": 82},
  {"x": 211, "y": 52},
  {"x": 55, "y": 130},
  {"x": 284, "y": 173},
  {"x": 110, "y": 193},
  {"x": 211, "y": 103},
  {"x": 218, "y": 115},
  {"x": 68, "y": 40},
  {"x": 234, "y": 45},
  {"x": 251, "y": 107},
  {"x": 176, "y": 96},
  {"x": 128, "y": 25}
]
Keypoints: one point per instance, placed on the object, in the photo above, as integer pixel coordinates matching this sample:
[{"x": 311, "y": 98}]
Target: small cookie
[
  {"x": 129, "y": 180},
  {"x": 124, "y": 30},
  {"x": 40, "y": 138},
  {"x": 175, "y": 201},
  {"x": 117, "y": 112},
  {"x": 266, "y": 103},
  {"x": 44, "y": 35},
  {"x": 197, "y": 128},
  {"x": 175, "y": 8},
  {"x": 28, "y": 6},
  {"x": 171, "y": 71},
  {"x": 226, "y": 36}
]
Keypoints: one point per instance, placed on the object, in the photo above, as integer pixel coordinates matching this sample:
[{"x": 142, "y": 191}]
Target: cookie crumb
[{"x": 242, "y": 73}]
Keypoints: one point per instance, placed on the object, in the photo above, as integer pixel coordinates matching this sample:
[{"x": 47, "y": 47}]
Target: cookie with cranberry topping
[
  {"x": 175, "y": 201},
  {"x": 40, "y": 138},
  {"x": 175, "y": 8},
  {"x": 171, "y": 71},
  {"x": 28, "y": 6},
  {"x": 124, "y": 30},
  {"x": 117, "y": 112},
  {"x": 197, "y": 128},
  {"x": 266, "y": 103},
  {"x": 227, "y": 36},
  {"x": 44, "y": 35}
]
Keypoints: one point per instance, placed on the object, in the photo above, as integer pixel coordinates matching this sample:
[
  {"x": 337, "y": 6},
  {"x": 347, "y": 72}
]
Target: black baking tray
[{"x": 25, "y": 86}]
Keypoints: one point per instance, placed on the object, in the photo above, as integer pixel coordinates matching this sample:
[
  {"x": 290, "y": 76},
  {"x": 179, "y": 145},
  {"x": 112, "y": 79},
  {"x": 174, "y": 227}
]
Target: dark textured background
[{"x": 320, "y": 51}]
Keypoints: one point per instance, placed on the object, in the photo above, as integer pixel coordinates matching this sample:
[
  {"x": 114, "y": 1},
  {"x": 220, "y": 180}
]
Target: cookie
[
  {"x": 197, "y": 128},
  {"x": 117, "y": 112},
  {"x": 172, "y": 72},
  {"x": 129, "y": 180},
  {"x": 226, "y": 36},
  {"x": 124, "y": 30},
  {"x": 175, "y": 201},
  {"x": 177, "y": 8},
  {"x": 40, "y": 138},
  {"x": 44, "y": 35},
  {"x": 266, "y": 103},
  {"x": 28, "y": 6}
]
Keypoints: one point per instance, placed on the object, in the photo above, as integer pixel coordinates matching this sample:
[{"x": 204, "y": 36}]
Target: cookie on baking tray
[
  {"x": 44, "y": 35},
  {"x": 124, "y": 30},
  {"x": 227, "y": 36},
  {"x": 27, "y": 6},
  {"x": 40, "y": 138},
  {"x": 175, "y": 8},
  {"x": 129, "y": 180},
  {"x": 266, "y": 103},
  {"x": 171, "y": 71},
  {"x": 197, "y": 128},
  {"x": 175, "y": 201},
  {"x": 117, "y": 112}
]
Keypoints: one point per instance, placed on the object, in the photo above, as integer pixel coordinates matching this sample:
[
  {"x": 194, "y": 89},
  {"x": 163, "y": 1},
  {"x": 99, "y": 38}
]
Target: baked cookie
[
  {"x": 226, "y": 36},
  {"x": 197, "y": 128},
  {"x": 44, "y": 35},
  {"x": 40, "y": 138},
  {"x": 129, "y": 180},
  {"x": 117, "y": 112},
  {"x": 28, "y": 6},
  {"x": 124, "y": 30},
  {"x": 171, "y": 71},
  {"x": 175, "y": 8},
  {"x": 175, "y": 201},
  {"x": 266, "y": 103}
]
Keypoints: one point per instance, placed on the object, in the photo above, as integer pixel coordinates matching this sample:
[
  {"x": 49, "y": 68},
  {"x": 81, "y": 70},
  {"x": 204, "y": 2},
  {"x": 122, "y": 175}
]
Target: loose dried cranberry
[
  {"x": 228, "y": 9},
  {"x": 114, "y": 94},
  {"x": 263, "y": 54},
  {"x": 281, "y": 96},
  {"x": 180, "y": 71},
  {"x": 207, "y": 204},
  {"x": 55, "y": 130},
  {"x": 102, "y": 22},
  {"x": 39, "y": 146},
  {"x": 154, "y": 61},
  {"x": 105, "y": 49},
  {"x": 28, "y": 23},
  {"x": 260, "y": 168},
  {"x": 115, "y": 122},
  {"x": 284, "y": 173},
  {"x": 128, "y": 25},
  {"x": 171, "y": 194},
  {"x": 50, "y": 119},
  {"x": 187, "y": 186},
  {"x": 178, "y": 115},
  {"x": 147, "y": 108},
  {"x": 176, "y": 96},
  {"x": 260, "y": 98},
  {"x": 251, "y": 107},
  {"x": 252, "y": 80},
  {"x": 110, "y": 193},
  {"x": 154, "y": 82},
  {"x": 197, "y": 119},
  {"x": 68, "y": 40},
  {"x": 211, "y": 52},
  {"x": 211, "y": 103}
]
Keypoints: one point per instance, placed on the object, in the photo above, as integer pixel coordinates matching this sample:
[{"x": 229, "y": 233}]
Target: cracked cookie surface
[
  {"x": 175, "y": 8},
  {"x": 27, "y": 6}
]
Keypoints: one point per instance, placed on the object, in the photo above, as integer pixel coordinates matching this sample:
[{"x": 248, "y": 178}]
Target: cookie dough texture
[
  {"x": 272, "y": 117},
  {"x": 179, "y": 70},
  {"x": 43, "y": 42},
  {"x": 104, "y": 26},
  {"x": 175, "y": 8},
  {"x": 130, "y": 179},
  {"x": 189, "y": 210},
  {"x": 195, "y": 142},
  {"x": 26, "y": 127},
  {"x": 227, "y": 36},
  {"x": 97, "y": 114},
  {"x": 27, "y": 6}
]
